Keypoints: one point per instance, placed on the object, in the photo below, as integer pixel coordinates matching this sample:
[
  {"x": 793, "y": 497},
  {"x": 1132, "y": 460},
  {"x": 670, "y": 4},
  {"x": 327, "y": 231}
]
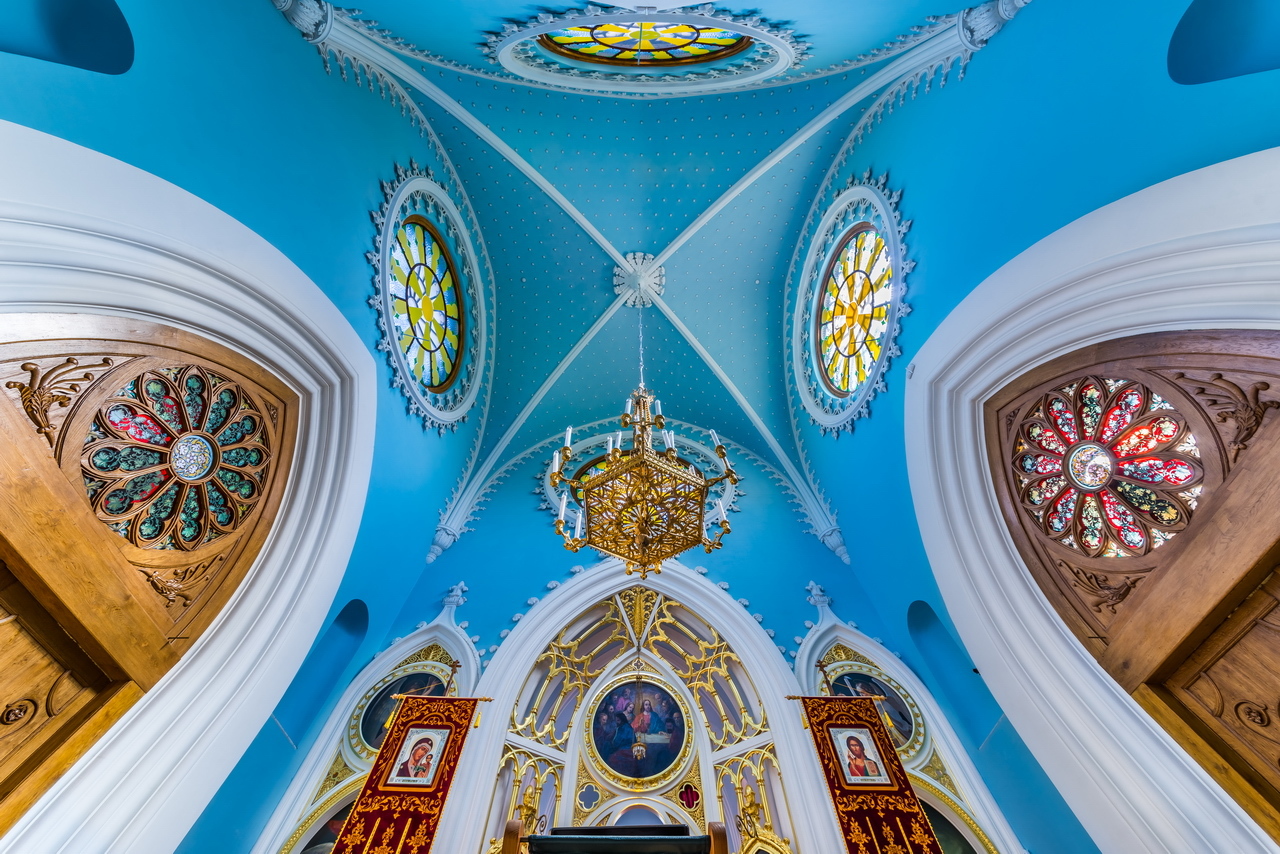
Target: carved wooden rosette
[
  {"x": 141, "y": 470},
  {"x": 1190, "y": 627}
]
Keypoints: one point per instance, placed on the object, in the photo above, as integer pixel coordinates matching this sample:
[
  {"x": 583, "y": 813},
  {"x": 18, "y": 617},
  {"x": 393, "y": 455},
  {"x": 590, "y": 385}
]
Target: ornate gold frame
[
  {"x": 856, "y": 663},
  {"x": 646, "y": 784},
  {"x": 419, "y": 662}
]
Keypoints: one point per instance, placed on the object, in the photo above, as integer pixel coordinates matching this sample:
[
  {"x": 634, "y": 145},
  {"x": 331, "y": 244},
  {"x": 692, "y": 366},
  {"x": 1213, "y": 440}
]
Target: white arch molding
[
  {"x": 974, "y": 797},
  {"x": 81, "y": 232},
  {"x": 466, "y": 816},
  {"x": 1199, "y": 251}
]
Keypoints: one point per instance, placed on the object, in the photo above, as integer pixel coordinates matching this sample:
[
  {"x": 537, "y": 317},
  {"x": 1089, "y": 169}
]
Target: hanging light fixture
[{"x": 641, "y": 505}]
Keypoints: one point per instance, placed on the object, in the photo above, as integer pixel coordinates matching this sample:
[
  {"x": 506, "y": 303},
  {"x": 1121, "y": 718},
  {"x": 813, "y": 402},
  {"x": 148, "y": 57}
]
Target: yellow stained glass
[
  {"x": 426, "y": 304},
  {"x": 645, "y": 43},
  {"x": 853, "y": 311}
]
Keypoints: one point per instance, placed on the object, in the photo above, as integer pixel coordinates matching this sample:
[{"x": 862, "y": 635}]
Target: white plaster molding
[
  {"x": 864, "y": 200},
  {"x": 1199, "y": 251},
  {"x": 299, "y": 799},
  {"x": 939, "y": 735},
  {"x": 82, "y": 232},
  {"x": 467, "y": 815}
]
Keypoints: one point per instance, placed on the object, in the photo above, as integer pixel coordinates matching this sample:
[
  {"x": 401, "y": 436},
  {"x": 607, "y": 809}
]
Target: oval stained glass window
[
  {"x": 645, "y": 43},
  {"x": 852, "y": 317},
  {"x": 426, "y": 304},
  {"x": 176, "y": 458},
  {"x": 1107, "y": 467}
]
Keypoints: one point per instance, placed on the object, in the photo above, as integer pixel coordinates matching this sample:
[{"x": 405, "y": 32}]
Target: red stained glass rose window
[{"x": 1107, "y": 467}]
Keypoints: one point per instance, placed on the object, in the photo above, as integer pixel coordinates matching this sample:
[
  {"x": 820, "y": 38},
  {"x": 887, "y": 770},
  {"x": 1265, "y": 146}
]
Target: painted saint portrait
[
  {"x": 860, "y": 760},
  {"x": 373, "y": 725},
  {"x": 894, "y": 711},
  {"x": 638, "y": 730},
  {"x": 418, "y": 759}
]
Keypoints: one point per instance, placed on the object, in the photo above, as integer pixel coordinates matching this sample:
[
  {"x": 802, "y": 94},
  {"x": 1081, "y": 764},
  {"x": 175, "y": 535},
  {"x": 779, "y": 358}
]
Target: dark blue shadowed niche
[
  {"x": 1220, "y": 39},
  {"x": 88, "y": 34}
]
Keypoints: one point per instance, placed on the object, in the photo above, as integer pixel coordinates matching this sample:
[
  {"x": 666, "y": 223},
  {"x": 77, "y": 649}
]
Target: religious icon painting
[
  {"x": 418, "y": 760},
  {"x": 895, "y": 711},
  {"x": 376, "y": 717},
  {"x": 639, "y": 732},
  {"x": 860, "y": 760}
]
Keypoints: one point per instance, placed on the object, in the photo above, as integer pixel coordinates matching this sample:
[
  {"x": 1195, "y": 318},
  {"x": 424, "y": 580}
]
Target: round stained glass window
[
  {"x": 176, "y": 458},
  {"x": 426, "y": 304},
  {"x": 1107, "y": 467},
  {"x": 645, "y": 43},
  {"x": 852, "y": 316}
]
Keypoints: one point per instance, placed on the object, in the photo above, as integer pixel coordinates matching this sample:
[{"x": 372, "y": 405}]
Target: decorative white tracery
[
  {"x": 333, "y": 770},
  {"x": 939, "y": 766}
]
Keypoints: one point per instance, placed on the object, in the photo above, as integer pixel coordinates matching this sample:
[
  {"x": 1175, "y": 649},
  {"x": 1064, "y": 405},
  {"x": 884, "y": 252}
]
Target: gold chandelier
[{"x": 641, "y": 505}]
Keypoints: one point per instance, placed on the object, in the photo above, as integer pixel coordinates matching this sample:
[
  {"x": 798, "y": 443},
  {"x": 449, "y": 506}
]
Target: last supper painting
[{"x": 638, "y": 730}]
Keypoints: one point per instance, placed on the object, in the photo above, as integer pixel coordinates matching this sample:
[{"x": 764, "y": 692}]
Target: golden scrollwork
[
  {"x": 585, "y": 779},
  {"x": 840, "y": 652},
  {"x": 750, "y": 809},
  {"x": 53, "y": 386},
  {"x": 638, "y": 604},
  {"x": 919, "y": 783},
  {"x": 338, "y": 771},
  {"x": 432, "y": 652},
  {"x": 711, "y": 670},
  {"x": 566, "y": 670},
  {"x": 938, "y": 771},
  {"x": 693, "y": 779}
]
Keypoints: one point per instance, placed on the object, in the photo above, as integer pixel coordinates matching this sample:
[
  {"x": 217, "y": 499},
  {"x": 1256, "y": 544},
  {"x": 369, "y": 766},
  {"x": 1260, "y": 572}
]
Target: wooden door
[
  {"x": 140, "y": 470},
  {"x": 1141, "y": 482}
]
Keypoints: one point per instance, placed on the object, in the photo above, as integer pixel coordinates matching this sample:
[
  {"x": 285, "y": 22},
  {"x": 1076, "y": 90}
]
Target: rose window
[
  {"x": 853, "y": 310},
  {"x": 645, "y": 43},
  {"x": 426, "y": 304},
  {"x": 176, "y": 459},
  {"x": 1107, "y": 467}
]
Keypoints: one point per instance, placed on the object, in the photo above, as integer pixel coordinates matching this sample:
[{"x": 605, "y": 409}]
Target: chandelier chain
[{"x": 640, "y": 311}]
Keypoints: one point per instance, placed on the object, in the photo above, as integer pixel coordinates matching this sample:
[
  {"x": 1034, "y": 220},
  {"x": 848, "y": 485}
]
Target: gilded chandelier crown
[{"x": 640, "y": 505}]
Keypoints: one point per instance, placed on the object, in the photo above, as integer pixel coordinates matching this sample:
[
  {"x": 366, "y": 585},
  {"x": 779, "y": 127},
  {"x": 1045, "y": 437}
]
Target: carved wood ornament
[
  {"x": 140, "y": 473},
  {"x": 1140, "y": 479}
]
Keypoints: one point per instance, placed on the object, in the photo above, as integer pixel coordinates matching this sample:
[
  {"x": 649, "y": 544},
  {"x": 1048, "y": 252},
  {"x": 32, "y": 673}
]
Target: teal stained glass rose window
[{"x": 176, "y": 458}]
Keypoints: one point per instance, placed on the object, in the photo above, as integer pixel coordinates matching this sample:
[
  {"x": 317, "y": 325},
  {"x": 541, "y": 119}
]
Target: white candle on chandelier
[
  {"x": 577, "y": 525},
  {"x": 627, "y": 408},
  {"x": 617, "y": 442},
  {"x": 715, "y": 440},
  {"x": 657, "y": 407},
  {"x": 669, "y": 439},
  {"x": 555, "y": 461},
  {"x": 720, "y": 507},
  {"x": 568, "y": 436},
  {"x": 564, "y": 499}
]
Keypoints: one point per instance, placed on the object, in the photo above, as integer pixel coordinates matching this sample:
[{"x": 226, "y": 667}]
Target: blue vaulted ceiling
[{"x": 1069, "y": 108}]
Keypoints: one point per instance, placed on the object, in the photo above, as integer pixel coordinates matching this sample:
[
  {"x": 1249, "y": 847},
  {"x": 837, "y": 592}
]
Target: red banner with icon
[
  {"x": 875, "y": 805},
  {"x": 399, "y": 807}
]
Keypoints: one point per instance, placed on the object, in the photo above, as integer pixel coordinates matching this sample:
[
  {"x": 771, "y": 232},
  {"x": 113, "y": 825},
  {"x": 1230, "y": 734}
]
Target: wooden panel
[
  {"x": 94, "y": 606},
  {"x": 66, "y": 559},
  {"x": 1232, "y": 684},
  {"x": 1235, "y": 547},
  {"x": 76, "y": 736},
  {"x": 1254, "y": 795}
]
